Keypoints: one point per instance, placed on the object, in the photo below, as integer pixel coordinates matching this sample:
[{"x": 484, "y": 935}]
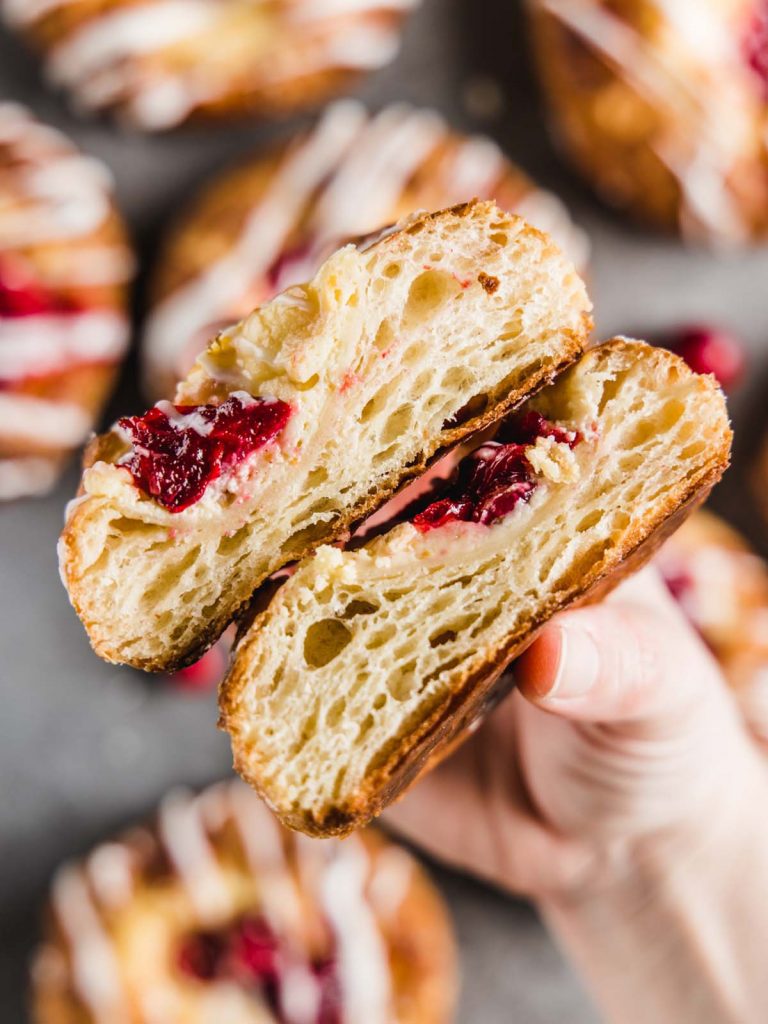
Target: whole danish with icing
[
  {"x": 216, "y": 913},
  {"x": 160, "y": 63},
  {"x": 663, "y": 106},
  {"x": 65, "y": 266}
]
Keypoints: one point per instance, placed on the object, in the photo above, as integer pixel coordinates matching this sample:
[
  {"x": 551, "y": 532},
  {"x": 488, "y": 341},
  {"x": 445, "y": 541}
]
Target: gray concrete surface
[{"x": 85, "y": 748}]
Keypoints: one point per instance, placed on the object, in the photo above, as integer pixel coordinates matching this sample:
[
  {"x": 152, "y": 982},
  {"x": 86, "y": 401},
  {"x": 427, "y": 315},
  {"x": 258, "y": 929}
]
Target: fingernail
[{"x": 578, "y": 667}]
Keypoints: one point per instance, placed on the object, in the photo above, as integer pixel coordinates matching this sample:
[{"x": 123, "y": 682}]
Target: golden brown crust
[
  {"x": 479, "y": 691},
  {"x": 636, "y": 125}
]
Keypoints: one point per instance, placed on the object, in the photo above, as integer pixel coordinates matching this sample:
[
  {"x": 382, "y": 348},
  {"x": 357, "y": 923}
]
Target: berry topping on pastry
[
  {"x": 64, "y": 267},
  {"x": 272, "y": 221},
  {"x": 249, "y": 953},
  {"x": 178, "y": 450},
  {"x": 494, "y": 478},
  {"x": 214, "y": 913},
  {"x": 756, "y": 43},
  {"x": 21, "y": 295}
]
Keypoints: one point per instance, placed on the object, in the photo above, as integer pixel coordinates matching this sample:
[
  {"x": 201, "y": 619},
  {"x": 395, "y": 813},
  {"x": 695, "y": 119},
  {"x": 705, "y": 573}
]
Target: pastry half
[
  {"x": 307, "y": 415},
  {"x": 65, "y": 266},
  {"x": 158, "y": 64},
  {"x": 367, "y": 663},
  {"x": 270, "y": 222},
  {"x": 213, "y": 914}
]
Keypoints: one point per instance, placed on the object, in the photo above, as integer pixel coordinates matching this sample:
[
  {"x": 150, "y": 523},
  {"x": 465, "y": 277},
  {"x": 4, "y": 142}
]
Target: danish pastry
[
  {"x": 305, "y": 417},
  {"x": 159, "y": 63},
  {"x": 722, "y": 586},
  {"x": 216, "y": 914},
  {"x": 367, "y": 663},
  {"x": 64, "y": 268},
  {"x": 269, "y": 223},
  {"x": 664, "y": 106}
]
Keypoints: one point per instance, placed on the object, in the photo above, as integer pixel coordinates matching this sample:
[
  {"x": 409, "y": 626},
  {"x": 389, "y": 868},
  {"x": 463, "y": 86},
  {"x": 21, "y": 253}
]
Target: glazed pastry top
[
  {"x": 699, "y": 71},
  {"x": 218, "y": 869},
  {"x": 160, "y": 60}
]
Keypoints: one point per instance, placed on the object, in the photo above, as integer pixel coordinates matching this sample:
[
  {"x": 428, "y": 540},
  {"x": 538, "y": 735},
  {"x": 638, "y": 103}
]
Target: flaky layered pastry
[
  {"x": 306, "y": 416},
  {"x": 367, "y": 663}
]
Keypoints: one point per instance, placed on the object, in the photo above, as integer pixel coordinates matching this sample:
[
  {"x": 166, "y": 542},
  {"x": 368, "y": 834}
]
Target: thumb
[{"x": 632, "y": 657}]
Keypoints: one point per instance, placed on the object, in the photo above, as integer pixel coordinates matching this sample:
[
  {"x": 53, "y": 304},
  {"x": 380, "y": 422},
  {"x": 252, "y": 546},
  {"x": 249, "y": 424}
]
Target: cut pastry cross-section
[
  {"x": 355, "y": 381},
  {"x": 367, "y": 663}
]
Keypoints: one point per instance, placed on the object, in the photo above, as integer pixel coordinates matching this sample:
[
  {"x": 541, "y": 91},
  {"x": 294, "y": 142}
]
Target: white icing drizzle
[
  {"x": 47, "y": 343},
  {"x": 186, "y": 841},
  {"x": 313, "y": 10},
  {"x": 709, "y": 133},
  {"x": 262, "y": 844},
  {"x": 38, "y": 421},
  {"x": 25, "y": 12},
  {"x": 95, "y": 971},
  {"x": 477, "y": 166},
  {"x": 110, "y": 872},
  {"x": 391, "y": 881},
  {"x": 185, "y": 421},
  {"x": 61, "y": 193},
  {"x": 549, "y": 213},
  {"x": 26, "y": 476},
  {"x": 369, "y": 181},
  {"x": 361, "y": 952},
  {"x": 122, "y": 32},
  {"x": 99, "y": 265},
  {"x": 99, "y": 58}
]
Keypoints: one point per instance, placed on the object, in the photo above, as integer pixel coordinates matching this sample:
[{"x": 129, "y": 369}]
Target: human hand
[{"x": 619, "y": 787}]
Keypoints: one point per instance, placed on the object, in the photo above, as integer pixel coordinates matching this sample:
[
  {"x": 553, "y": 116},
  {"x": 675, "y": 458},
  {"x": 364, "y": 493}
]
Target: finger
[
  {"x": 630, "y": 658},
  {"x": 472, "y": 812}
]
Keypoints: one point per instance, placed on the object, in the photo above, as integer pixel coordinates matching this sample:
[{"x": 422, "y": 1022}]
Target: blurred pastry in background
[
  {"x": 663, "y": 105},
  {"x": 216, "y": 913},
  {"x": 159, "y": 63},
  {"x": 270, "y": 222},
  {"x": 722, "y": 586},
  {"x": 65, "y": 265}
]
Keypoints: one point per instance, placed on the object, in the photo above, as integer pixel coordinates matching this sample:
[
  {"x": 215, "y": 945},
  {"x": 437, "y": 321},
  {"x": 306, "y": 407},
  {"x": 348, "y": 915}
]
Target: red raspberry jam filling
[
  {"x": 756, "y": 43},
  {"x": 21, "y": 295},
  {"x": 496, "y": 477},
  {"x": 248, "y": 952},
  {"x": 178, "y": 450}
]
